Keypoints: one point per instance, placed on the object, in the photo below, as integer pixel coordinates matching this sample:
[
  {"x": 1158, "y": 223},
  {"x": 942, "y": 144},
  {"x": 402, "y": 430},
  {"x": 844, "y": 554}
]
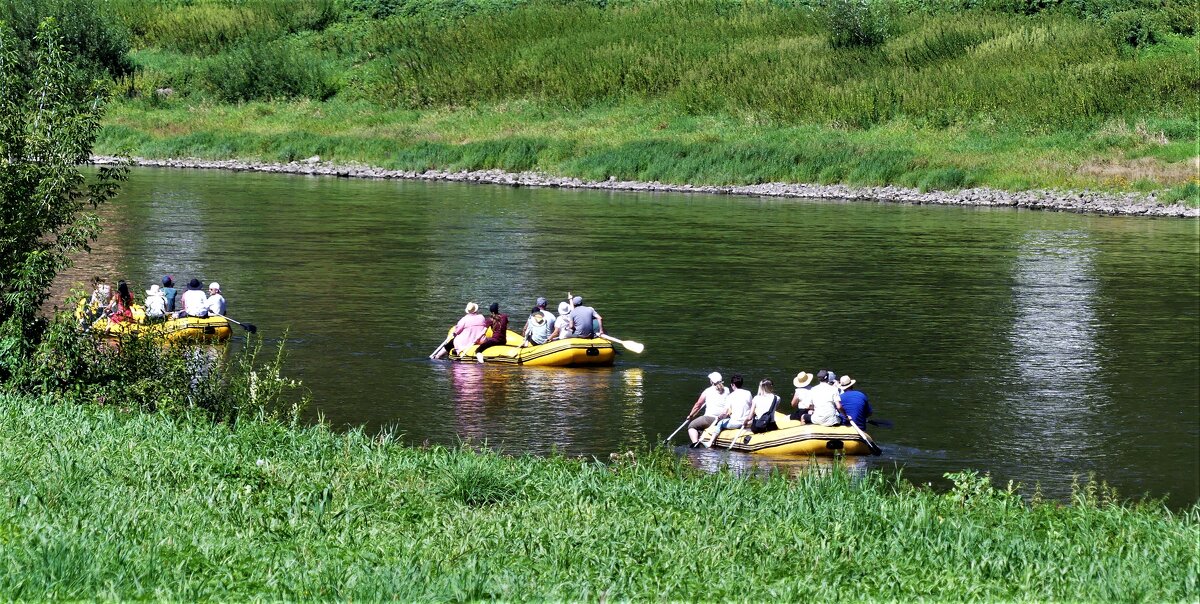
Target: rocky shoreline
[{"x": 1083, "y": 202}]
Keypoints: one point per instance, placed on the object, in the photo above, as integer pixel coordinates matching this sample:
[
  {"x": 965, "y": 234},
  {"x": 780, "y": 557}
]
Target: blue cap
[
  {"x": 541, "y": 301},
  {"x": 577, "y": 300},
  {"x": 167, "y": 281}
]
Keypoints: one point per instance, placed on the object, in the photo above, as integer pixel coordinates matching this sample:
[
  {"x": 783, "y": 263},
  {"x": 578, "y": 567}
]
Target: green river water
[{"x": 1037, "y": 346}]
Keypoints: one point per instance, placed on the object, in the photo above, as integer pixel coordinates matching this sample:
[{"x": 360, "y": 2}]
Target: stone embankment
[{"x": 1084, "y": 202}]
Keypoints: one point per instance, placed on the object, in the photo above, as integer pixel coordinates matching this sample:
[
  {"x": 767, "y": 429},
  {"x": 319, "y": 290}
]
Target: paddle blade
[
  {"x": 250, "y": 327},
  {"x": 634, "y": 347}
]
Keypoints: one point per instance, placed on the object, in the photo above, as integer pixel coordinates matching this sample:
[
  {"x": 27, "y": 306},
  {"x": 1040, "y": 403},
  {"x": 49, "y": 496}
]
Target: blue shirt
[{"x": 856, "y": 406}]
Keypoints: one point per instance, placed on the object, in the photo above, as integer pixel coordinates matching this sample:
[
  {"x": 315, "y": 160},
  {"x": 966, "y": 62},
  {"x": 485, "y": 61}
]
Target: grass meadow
[
  {"x": 97, "y": 503},
  {"x": 695, "y": 91}
]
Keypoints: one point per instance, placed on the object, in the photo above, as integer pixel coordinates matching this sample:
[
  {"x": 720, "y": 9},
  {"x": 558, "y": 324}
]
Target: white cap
[
  {"x": 214, "y": 285},
  {"x": 714, "y": 377}
]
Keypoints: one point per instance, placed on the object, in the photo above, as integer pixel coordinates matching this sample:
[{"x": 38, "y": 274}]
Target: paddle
[
  {"x": 734, "y": 439},
  {"x": 875, "y": 450},
  {"x": 685, "y": 422},
  {"x": 882, "y": 423},
  {"x": 247, "y": 326},
  {"x": 433, "y": 355},
  {"x": 630, "y": 345}
]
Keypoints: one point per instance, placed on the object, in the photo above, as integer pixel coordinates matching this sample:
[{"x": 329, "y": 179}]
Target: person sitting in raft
[
  {"x": 764, "y": 405},
  {"x": 826, "y": 407},
  {"x": 713, "y": 402},
  {"x": 562, "y": 325},
  {"x": 215, "y": 302},
  {"x": 539, "y": 325},
  {"x": 802, "y": 399},
  {"x": 582, "y": 318},
  {"x": 738, "y": 406},
  {"x": 469, "y": 329},
  {"x": 194, "y": 301},
  {"x": 122, "y": 308},
  {"x": 499, "y": 325},
  {"x": 854, "y": 403},
  {"x": 168, "y": 290},
  {"x": 98, "y": 304},
  {"x": 156, "y": 304}
]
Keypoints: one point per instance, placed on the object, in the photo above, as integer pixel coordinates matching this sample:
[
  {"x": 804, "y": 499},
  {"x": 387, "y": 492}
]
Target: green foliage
[
  {"x": 210, "y": 26},
  {"x": 144, "y": 374},
  {"x": 265, "y": 69},
  {"x": 854, "y": 23},
  {"x": 97, "y": 504},
  {"x": 1136, "y": 28},
  {"x": 1044, "y": 71},
  {"x": 49, "y": 118},
  {"x": 96, "y": 43}
]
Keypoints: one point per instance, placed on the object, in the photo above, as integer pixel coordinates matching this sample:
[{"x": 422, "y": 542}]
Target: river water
[{"x": 1037, "y": 346}]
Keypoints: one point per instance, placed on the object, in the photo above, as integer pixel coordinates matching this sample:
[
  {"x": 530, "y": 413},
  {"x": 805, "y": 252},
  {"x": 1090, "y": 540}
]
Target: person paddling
[
  {"x": 499, "y": 325},
  {"x": 712, "y": 400}
]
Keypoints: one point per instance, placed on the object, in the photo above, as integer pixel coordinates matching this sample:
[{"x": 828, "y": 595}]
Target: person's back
[
  {"x": 739, "y": 404},
  {"x": 825, "y": 399},
  {"x": 581, "y": 318},
  {"x": 854, "y": 402},
  {"x": 194, "y": 301},
  {"x": 156, "y": 303},
  {"x": 169, "y": 292},
  {"x": 763, "y": 407},
  {"x": 537, "y": 328}
]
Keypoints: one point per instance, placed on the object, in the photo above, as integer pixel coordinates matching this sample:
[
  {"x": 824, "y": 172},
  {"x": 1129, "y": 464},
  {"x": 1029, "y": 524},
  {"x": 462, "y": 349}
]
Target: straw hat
[
  {"x": 802, "y": 379},
  {"x": 846, "y": 382},
  {"x": 472, "y": 308}
]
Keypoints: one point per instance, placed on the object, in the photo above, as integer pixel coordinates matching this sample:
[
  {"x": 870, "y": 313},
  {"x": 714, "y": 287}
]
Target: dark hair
[
  {"x": 194, "y": 283},
  {"x": 822, "y": 375},
  {"x": 494, "y": 308},
  {"x": 537, "y": 310},
  {"x": 736, "y": 380},
  {"x": 123, "y": 293}
]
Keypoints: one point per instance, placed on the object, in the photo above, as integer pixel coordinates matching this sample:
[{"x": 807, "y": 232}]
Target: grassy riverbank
[
  {"x": 1098, "y": 96},
  {"x": 96, "y": 503}
]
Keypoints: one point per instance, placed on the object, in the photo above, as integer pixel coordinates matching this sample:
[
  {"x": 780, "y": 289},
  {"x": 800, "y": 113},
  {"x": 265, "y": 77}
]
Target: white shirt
[
  {"x": 194, "y": 303},
  {"x": 215, "y": 304},
  {"x": 156, "y": 306},
  {"x": 824, "y": 400},
  {"x": 714, "y": 402},
  {"x": 739, "y": 406},
  {"x": 563, "y": 325},
  {"x": 762, "y": 404}
]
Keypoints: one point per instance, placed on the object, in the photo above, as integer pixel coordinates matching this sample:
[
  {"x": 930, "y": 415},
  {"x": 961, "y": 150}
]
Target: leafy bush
[
  {"x": 267, "y": 69},
  {"x": 49, "y": 117},
  {"x": 95, "y": 41},
  {"x": 854, "y": 23},
  {"x": 144, "y": 374},
  {"x": 209, "y": 27},
  {"x": 1136, "y": 28}
]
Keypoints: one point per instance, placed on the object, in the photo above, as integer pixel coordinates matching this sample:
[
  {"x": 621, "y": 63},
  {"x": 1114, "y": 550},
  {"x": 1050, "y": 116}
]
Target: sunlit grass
[
  {"x": 653, "y": 141},
  {"x": 98, "y": 504}
]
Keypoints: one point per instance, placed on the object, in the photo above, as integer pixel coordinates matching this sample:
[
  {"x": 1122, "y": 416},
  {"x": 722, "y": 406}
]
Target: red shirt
[{"x": 499, "y": 325}]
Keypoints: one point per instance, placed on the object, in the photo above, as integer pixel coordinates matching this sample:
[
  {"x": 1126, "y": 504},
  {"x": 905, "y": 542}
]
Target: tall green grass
[
  {"x": 99, "y": 504},
  {"x": 1050, "y": 70}
]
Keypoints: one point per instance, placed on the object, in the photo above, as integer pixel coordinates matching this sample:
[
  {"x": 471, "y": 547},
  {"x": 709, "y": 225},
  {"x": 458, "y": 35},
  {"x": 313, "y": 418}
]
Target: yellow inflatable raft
[
  {"x": 571, "y": 352},
  {"x": 186, "y": 329},
  {"x": 794, "y": 438}
]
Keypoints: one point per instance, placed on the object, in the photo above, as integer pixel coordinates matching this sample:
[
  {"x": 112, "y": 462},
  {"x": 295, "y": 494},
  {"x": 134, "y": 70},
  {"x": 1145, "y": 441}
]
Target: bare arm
[{"x": 698, "y": 405}]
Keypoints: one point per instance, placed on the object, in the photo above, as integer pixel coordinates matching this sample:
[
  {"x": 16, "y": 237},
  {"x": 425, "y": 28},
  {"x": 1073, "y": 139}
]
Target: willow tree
[{"x": 49, "y": 118}]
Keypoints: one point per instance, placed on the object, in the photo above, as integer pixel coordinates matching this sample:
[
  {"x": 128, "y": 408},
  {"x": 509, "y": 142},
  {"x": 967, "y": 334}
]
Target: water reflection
[
  {"x": 743, "y": 464},
  {"x": 545, "y": 409},
  {"x": 1057, "y": 401}
]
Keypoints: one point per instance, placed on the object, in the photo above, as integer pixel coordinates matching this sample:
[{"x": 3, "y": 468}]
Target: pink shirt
[{"x": 468, "y": 330}]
